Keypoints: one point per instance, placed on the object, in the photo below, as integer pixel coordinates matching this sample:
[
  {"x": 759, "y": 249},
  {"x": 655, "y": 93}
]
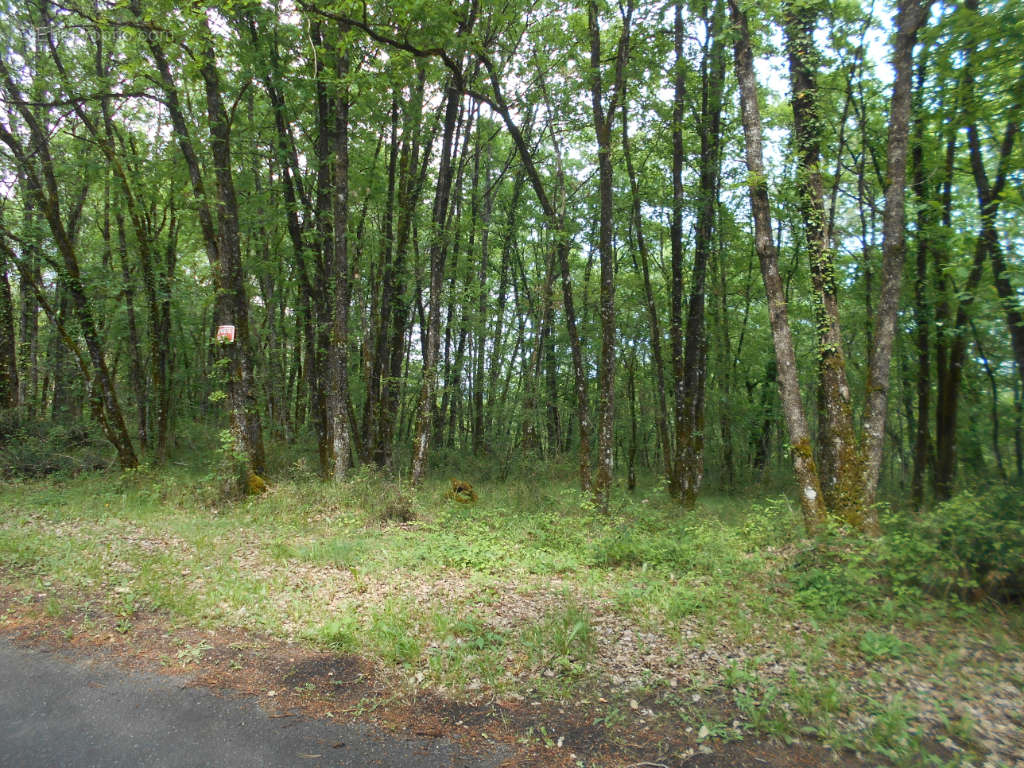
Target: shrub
[
  {"x": 773, "y": 524},
  {"x": 34, "y": 448},
  {"x": 969, "y": 546},
  {"x": 835, "y": 573},
  {"x": 12, "y": 423}
]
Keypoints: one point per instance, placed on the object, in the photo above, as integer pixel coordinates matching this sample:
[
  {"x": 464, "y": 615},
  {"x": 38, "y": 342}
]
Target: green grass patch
[
  {"x": 437, "y": 593},
  {"x": 342, "y": 632}
]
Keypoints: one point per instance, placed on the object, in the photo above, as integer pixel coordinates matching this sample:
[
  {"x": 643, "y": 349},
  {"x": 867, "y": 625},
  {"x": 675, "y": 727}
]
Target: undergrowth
[{"x": 414, "y": 580}]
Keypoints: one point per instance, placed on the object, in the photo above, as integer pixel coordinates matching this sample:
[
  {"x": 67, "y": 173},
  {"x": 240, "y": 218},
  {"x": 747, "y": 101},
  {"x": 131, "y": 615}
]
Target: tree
[{"x": 222, "y": 241}]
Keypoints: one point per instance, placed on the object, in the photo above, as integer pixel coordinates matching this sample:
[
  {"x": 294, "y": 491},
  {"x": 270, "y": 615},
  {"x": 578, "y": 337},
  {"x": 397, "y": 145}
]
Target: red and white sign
[{"x": 225, "y": 333}]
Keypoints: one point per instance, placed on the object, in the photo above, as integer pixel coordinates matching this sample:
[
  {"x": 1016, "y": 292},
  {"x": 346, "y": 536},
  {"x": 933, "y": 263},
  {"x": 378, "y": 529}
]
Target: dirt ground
[{"x": 290, "y": 680}]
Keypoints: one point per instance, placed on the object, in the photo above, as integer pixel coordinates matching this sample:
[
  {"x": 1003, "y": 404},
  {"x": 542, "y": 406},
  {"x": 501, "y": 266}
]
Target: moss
[
  {"x": 803, "y": 458},
  {"x": 255, "y": 485},
  {"x": 461, "y": 491},
  {"x": 802, "y": 448}
]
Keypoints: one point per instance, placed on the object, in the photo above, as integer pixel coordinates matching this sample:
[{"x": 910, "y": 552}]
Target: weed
[
  {"x": 340, "y": 633},
  {"x": 763, "y": 713},
  {"x": 961, "y": 728},
  {"x": 735, "y": 676},
  {"x": 814, "y": 699},
  {"x": 394, "y": 635},
  {"x": 713, "y": 729},
  {"x": 891, "y": 729},
  {"x": 381, "y": 499},
  {"x": 53, "y": 607},
  {"x": 771, "y": 524},
  {"x": 466, "y": 630},
  {"x": 614, "y": 718},
  {"x": 17, "y": 550},
  {"x": 630, "y": 598},
  {"x": 563, "y": 637},
  {"x": 882, "y": 645},
  {"x": 192, "y": 654},
  {"x": 833, "y": 576},
  {"x": 341, "y": 552},
  {"x": 685, "y": 600},
  {"x": 124, "y": 605}
]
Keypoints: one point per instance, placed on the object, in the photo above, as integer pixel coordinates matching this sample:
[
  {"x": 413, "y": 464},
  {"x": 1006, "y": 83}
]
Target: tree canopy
[{"x": 719, "y": 242}]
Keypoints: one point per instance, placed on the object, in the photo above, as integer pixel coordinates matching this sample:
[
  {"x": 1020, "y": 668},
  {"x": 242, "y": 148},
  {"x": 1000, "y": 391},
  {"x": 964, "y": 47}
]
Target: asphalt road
[{"x": 66, "y": 711}]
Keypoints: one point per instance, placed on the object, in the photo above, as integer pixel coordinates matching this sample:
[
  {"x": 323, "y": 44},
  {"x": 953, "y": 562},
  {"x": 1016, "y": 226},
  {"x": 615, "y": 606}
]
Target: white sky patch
[{"x": 218, "y": 24}]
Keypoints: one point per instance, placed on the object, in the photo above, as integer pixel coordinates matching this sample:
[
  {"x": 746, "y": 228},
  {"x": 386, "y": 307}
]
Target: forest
[
  {"x": 750, "y": 267},
  {"x": 706, "y": 238}
]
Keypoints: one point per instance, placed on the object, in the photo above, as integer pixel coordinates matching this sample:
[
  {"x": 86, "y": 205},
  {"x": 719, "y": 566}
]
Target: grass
[{"x": 528, "y": 592}]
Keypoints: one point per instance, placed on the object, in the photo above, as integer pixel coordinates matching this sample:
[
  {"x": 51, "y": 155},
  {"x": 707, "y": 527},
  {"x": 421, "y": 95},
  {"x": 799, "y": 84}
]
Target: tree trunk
[
  {"x": 661, "y": 407},
  {"x": 438, "y": 252},
  {"x": 922, "y": 313},
  {"x": 45, "y": 192},
  {"x": 411, "y": 180},
  {"x": 381, "y": 330},
  {"x": 989, "y": 199},
  {"x": 8, "y": 343},
  {"x": 789, "y": 385},
  {"x": 840, "y": 472},
  {"x": 159, "y": 335},
  {"x": 322, "y": 282},
  {"x": 994, "y": 410},
  {"x": 338, "y": 396},
  {"x": 135, "y": 347},
  {"x": 28, "y": 325},
  {"x": 675, "y": 484},
  {"x": 1018, "y": 429},
  {"x": 946, "y": 416},
  {"x": 945, "y": 430},
  {"x": 480, "y": 340},
  {"x": 231, "y": 306},
  {"x": 911, "y": 16},
  {"x": 690, "y": 438},
  {"x": 551, "y": 376},
  {"x": 495, "y": 364},
  {"x": 631, "y": 457},
  {"x": 223, "y": 247},
  {"x": 556, "y": 218},
  {"x": 603, "y": 118}
]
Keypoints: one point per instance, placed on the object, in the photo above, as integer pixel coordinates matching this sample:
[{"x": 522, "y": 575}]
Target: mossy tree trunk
[{"x": 839, "y": 465}]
